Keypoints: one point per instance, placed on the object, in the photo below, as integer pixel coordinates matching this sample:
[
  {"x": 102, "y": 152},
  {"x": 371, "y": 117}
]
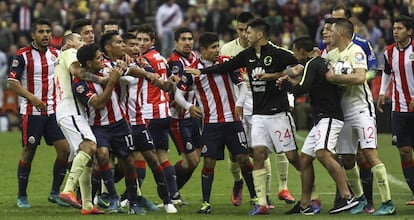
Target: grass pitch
[{"x": 41, "y": 176}]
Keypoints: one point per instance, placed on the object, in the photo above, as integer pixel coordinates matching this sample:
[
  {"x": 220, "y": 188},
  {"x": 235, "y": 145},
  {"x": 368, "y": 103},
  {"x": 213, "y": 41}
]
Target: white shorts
[
  {"x": 76, "y": 129},
  {"x": 276, "y": 132},
  {"x": 247, "y": 125},
  {"x": 323, "y": 135},
  {"x": 360, "y": 129}
]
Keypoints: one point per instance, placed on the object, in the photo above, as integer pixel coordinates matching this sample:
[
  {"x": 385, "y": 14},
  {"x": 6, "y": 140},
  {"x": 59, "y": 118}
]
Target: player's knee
[
  {"x": 348, "y": 161},
  {"x": 102, "y": 155},
  {"x": 405, "y": 154},
  {"x": 88, "y": 147}
]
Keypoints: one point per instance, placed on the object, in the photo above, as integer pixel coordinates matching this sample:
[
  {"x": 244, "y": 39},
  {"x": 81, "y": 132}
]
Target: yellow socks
[
  {"x": 354, "y": 181},
  {"x": 282, "y": 167},
  {"x": 380, "y": 175},
  {"x": 78, "y": 165},
  {"x": 259, "y": 179}
]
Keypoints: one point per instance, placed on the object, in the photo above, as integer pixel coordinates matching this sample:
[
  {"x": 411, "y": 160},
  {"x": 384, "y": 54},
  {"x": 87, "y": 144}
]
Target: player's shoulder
[
  {"x": 24, "y": 50},
  {"x": 271, "y": 46},
  {"x": 360, "y": 40},
  {"x": 230, "y": 44},
  {"x": 174, "y": 57},
  {"x": 390, "y": 47}
]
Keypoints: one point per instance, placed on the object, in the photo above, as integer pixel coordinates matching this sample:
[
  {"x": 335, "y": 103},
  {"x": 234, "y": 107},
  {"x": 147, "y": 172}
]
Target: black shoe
[
  {"x": 299, "y": 210},
  {"x": 343, "y": 205}
]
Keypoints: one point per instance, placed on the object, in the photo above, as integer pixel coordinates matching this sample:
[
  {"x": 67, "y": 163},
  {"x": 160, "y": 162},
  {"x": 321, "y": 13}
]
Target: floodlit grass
[{"x": 41, "y": 175}]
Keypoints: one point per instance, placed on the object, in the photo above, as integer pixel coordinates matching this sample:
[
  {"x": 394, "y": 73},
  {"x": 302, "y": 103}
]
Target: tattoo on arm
[{"x": 90, "y": 77}]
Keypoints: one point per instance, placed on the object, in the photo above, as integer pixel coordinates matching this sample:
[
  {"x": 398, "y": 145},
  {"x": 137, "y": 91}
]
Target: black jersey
[
  {"x": 268, "y": 99},
  {"x": 325, "y": 97}
]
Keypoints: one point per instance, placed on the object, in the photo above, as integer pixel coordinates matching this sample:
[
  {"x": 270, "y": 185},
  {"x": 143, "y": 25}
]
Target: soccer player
[
  {"x": 359, "y": 117},
  {"x": 399, "y": 70},
  {"x": 71, "y": 118},
  {"x": 233, "y": 48},
  {"x": 133, "y": 94},
  {"x": 107, "y": 118},
  {"x": 185, "y": 131},
  {"x": 217, "y": 110},
  {"x": 272, "y": 125},
  {"x": 83, "y": 27},
  {"x": 31, "y": 77},
  {"x": 327, "y": 114}
]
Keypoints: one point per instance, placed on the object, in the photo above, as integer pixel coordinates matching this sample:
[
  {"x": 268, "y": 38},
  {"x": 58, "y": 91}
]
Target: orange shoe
[
  {"x": 70, "y": 198},
  {"x": 93, "y": 211},
  {"x": 286, "y": 196},
  {"x": 411, "y": 202},
  {"x": 259, "y": 210}
]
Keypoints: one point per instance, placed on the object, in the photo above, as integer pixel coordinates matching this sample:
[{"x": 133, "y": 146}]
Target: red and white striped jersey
[
  {"x": 132, "y": 98},
  {"x": 112, "y": 112},
  {"x": 34, "y": 69},
  {"x": 400, "y": 64},
  {"x": 215, "y": 92},
  {"x": 177, "y": 62},
  {"x": 155, "y": 100}
]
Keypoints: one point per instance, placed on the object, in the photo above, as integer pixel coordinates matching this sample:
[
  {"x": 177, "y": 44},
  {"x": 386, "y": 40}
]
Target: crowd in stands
[{"x": 288, "y": 19}]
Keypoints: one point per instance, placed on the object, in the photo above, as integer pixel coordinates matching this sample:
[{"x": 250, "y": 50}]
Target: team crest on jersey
[
  {"x": 411, "y": 56},
  {"x": 267, "y": 60},
  {"x": 15, "y": 63},
  {"x": 188, "y": 146},
  {"x": 31, "y": 139},
  {"x": 175, "y": 69},
  {"x": 204, "y": 149},
  {"x": 184, "y": 79},
  {"x": 359, "y": 57},
  {"x": 80, "y": 89}
]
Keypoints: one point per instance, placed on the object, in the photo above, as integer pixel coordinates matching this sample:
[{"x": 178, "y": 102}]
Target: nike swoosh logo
[{"x": 251, "y": 60}]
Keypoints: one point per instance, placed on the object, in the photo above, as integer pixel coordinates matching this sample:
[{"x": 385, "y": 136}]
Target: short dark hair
[
  {"x": 347, "y": 11},
  {"x": 109, "y": 22},
  {"x": 87, "y": 53},
  {"x": 40, "y": 22},
  {"x": 346, "y": 25},
  {"x": 329, "y": 20},
  {"x": 78, "y": 24},
  {"x": 181, "y": 30},
  {"x": 132, "y": 28},
  {"x": 304, "y": 42},
  {"x": 147, "y": 29},
  {"x": 245, "y": 17},
  {"x": 207, "y": 39},
  {"x": 128, "y": 36},
  {"x": 107, "y": 39},
  {"x": 260, "y": 25},
  {"x": 406, "y": 21}
]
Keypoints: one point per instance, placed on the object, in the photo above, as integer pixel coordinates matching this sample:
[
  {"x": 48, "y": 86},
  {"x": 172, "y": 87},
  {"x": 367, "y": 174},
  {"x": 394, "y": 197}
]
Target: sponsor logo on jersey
[{"x": 267, "y": 60}]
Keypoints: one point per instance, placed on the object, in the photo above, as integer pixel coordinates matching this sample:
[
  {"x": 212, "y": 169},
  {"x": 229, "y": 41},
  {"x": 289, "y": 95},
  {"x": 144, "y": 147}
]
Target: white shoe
[
  {"x": 170, "y": 208},
  {"x": 124, "y": 203}
]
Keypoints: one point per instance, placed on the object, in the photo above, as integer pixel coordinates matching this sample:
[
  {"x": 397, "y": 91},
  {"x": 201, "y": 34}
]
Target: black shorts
[
  {"x": 218, "y": 135},
  {"x": 116, "y": 137},
  {"x": 186, "y": 134},
  {"x": 34, "y": 127},
  {"x": 142, "y": 138},
  {"x": 403, "y": 128},
  {"x": 159, "y": 129}
]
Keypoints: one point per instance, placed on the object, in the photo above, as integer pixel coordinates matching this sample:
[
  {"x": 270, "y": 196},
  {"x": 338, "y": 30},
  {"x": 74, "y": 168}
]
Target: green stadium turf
[{"x": 41, "y": 175}]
